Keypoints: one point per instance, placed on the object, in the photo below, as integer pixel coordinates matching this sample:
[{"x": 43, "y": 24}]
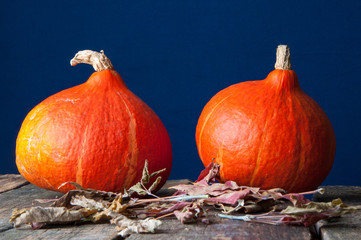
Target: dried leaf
[
  {"x": 261, "y": 206},
  {"x": 89, "y": 203},
  {"x": 117, "y": 206},
  {"x": 306, "y": 214},
  {"x": 230, "y": 197},
  {"x": 50, "y": 215},
  {"x": 189, "y": 213},
  {"x": 140, "y": 188},
  {"x": 215, "y": 189},
  {"x": 16, "y": 213},
  {"x": 146, "y": 176},
  {"x": 44, "y": 201},
  {"x": 78, "y": 186},
  {"x": 37, "y": 225},
  {"x": 184, "y": 216},
  {"x": 155, "y": 184},
  {"x": 334, "y": 208},
  {"x": 234, "y": 186},
  {"x": 99, "y": 217},
  {"x": 156, "y": 173},
  {"x": 229, "y": 209},
  {"x": 126, "y": 226},
  {"x": 64, "y": 201},
  {"x": 209, "y": 174},
  {"x": 177, "y": 206}
]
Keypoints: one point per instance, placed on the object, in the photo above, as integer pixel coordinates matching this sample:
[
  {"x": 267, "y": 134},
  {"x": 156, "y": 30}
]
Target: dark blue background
[{"x": 176, "y": 54}]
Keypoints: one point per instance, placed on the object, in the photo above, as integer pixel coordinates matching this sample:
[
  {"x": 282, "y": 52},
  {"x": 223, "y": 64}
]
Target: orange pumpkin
[
  {"x": 97, "y": 134},
  {"x": 268, "y": 133}
]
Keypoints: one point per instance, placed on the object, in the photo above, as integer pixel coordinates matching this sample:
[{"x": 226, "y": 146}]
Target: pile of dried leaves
[{"x": 190, "y": 203}]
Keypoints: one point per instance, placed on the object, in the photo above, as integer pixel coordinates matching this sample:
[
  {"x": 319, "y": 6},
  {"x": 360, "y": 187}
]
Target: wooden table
[{"x": 16, "y": 192}]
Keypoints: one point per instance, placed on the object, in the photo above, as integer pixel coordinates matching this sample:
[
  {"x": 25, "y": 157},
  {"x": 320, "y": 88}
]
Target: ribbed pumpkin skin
[
  {"x": 97, "y": 134},
  {"x": 268, "y": 134}
]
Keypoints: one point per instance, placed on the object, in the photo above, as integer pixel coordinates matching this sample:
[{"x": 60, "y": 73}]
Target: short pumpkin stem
[
  {"x": 98, "y": 60},
  {"x": 283, "y": 58}
]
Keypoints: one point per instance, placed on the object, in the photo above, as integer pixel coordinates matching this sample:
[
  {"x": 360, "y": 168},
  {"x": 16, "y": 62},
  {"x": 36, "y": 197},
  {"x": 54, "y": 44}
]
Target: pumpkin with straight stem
[{"x": 268, "y": 133}]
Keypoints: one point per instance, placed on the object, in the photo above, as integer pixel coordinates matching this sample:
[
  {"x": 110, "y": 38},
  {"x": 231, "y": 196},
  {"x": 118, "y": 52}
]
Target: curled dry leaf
[
  {"x": 140, "y": 187},
  {"x": 185, "y": 216},
  {"x": 230, "y": 197},
  {"x": 50, "y": 215},
  {"x": 126, "y": 226},
  {"x": 189, "y": 213},
  {"x": 209, "y": 174},
  {"x": 335, "y": 208},
  {"x": 117, "y": 206},
  {"x": 306, "y": 214},
  {"x": 100, "y": 217},
  {"x": 85, "y": 202},
  {"x": 16, "y": 213},
  {"x": 65, "y": 200},
  {"x": 199, "y": 188}
]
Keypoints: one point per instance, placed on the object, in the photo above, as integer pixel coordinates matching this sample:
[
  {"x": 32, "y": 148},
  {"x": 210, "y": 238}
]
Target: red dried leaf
[
  {"x": 209, "y": 173},
  {"x": 177, "y": 206},
  {"x": 230, "y": 197},
  {"x": 184, "y": 217},
  {"x": 296, "y": 199},
  {"x": 198, "y": 188}
]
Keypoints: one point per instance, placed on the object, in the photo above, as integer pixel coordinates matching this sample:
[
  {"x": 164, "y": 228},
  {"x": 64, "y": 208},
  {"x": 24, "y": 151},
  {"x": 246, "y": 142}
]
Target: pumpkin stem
[
  {"x": 283, "y": 58},
  {"x": 98, "y": 60}
]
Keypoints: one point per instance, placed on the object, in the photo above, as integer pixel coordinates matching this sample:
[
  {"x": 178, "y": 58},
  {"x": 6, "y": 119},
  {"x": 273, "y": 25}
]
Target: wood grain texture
[
  {"x": 11, "y": 181},
  {"x": 224, "y": 229},
  {"x": 346, "y": 227}
]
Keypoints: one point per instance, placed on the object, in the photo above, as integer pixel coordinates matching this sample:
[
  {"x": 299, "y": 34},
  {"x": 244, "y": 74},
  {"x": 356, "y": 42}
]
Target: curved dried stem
[{"x": 98, "y": 60}]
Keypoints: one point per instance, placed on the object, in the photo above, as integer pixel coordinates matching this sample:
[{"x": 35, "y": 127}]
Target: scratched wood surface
[
  {"x": 347, "y": 227},
  {"x": 22, "y": 194}
]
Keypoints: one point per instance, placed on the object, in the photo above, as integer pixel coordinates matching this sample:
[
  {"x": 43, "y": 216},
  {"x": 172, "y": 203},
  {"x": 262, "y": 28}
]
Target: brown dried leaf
[
  {"x": 117, "y": 206},
  {"x": 306, "y": 214},
  {"x": 50, "y": 215},
  {"x": 261, "y": 206},
  {"x": 126, "y": 226},
  {"x": 313, "y": 207},
  {"x": 155, "y": 184},
  {"x": 64, "y": 201},
  {"x": 215, "y": 189},
  {"x": 140, "y": 188},
  {"x": 85, "y": 202},
  {"x": 99, "y": 217},
  {"x": 146, "y": 176},
  {"x": 16, "y": 213}
]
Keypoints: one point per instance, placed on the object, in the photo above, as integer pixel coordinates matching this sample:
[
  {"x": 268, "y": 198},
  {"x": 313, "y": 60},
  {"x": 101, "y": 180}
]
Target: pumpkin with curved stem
[
  {"x": 268, "y": 133},
  {"x": 97, "y": 134}
]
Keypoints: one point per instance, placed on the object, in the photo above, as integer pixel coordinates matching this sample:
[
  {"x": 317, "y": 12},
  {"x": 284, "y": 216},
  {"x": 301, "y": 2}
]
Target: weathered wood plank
[
  {"x": 78, "y": 232},
  {"x": 350, "y": 195},
  {"x": 11, "y": 181},
  {"x": 224, "y": 229},
  {"x": 346, "y": 227},
  {"x": 20, "y": 198}
]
